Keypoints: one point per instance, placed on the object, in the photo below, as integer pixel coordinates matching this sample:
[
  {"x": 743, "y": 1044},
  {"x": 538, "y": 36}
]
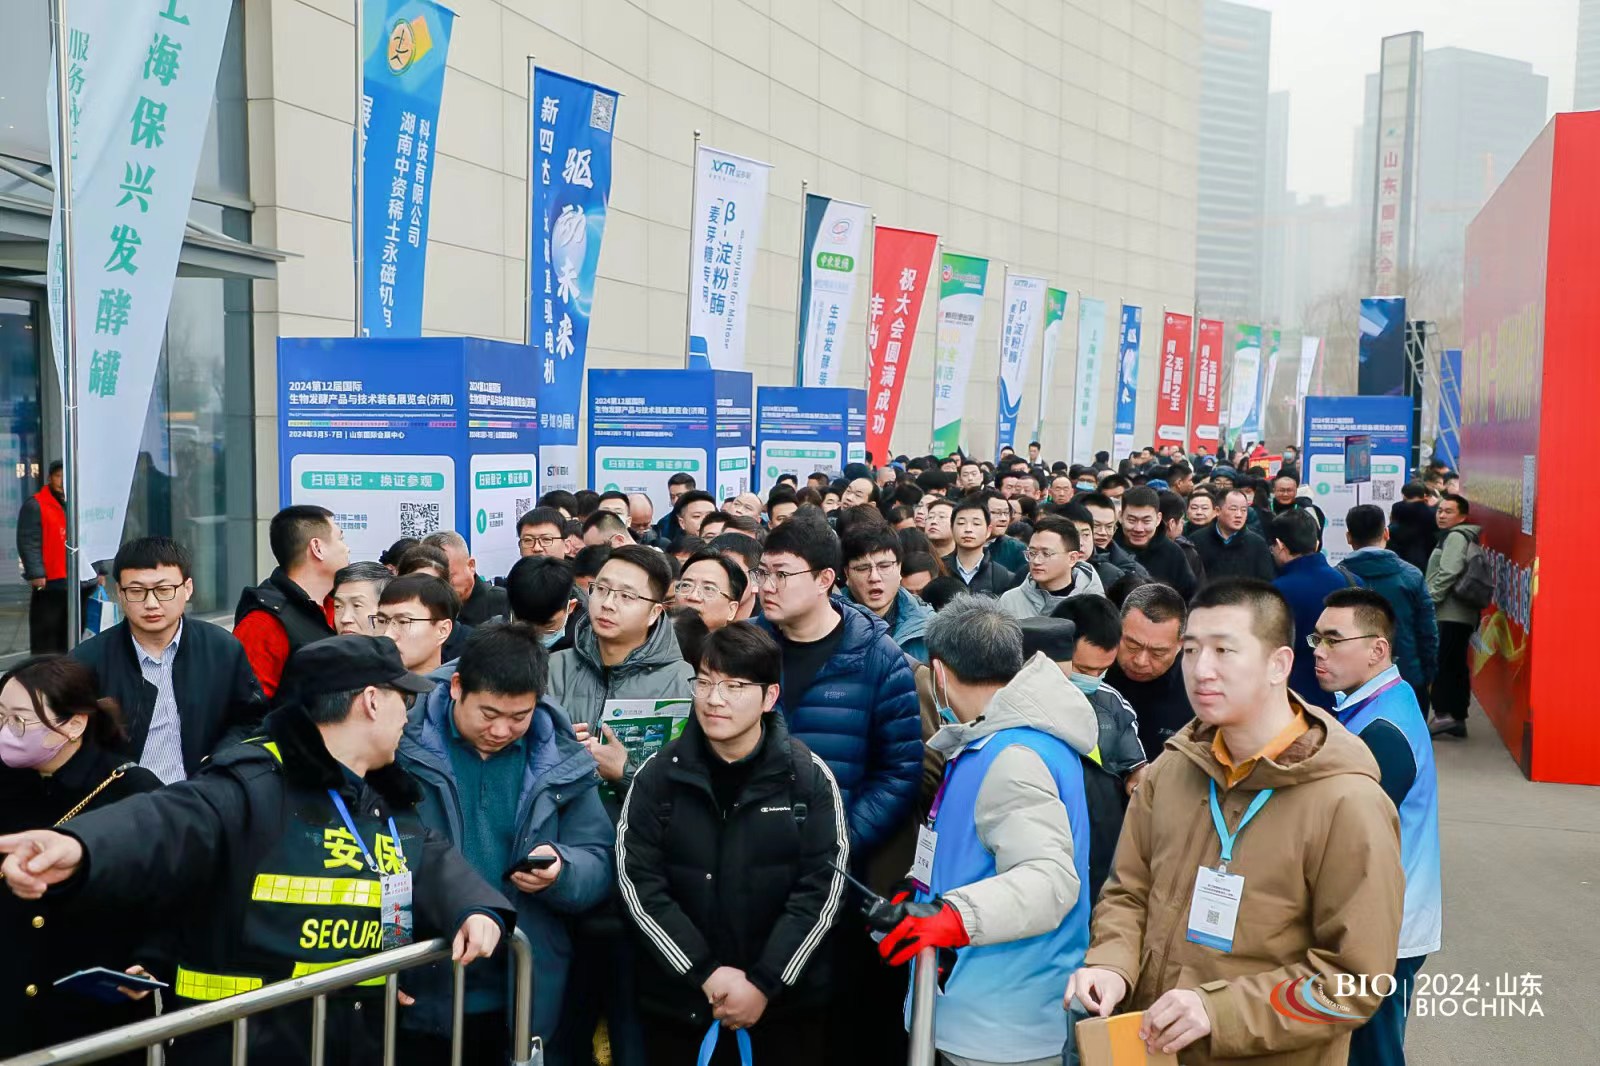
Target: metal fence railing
[{"x": 151, "y": 1035}]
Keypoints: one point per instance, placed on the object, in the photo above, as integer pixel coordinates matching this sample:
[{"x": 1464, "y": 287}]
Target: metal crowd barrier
[
  {"x": 236, "y": 1011},
  {"x": 924, "y": 986}
]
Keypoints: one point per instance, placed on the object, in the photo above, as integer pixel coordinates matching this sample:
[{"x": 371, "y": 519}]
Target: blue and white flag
[
  {"x": 1024, "y": 307},
  {"x": 1086, "y": 393},
  {"x": 571, "y": 180},
  {"x": 830, "y": 262},
  {"x": 140, "y": 79},
  {"x": 1127, "y": 381},
  {"x": 405, "y": 43},
  {"x": 730, "y": 202}
]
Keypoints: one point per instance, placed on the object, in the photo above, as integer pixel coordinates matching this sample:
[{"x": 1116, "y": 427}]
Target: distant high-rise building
[
  {"x": 1586, "y": 90},
  {"x": 1277, "y": 201},
  {"x": 1235, "y": 48},
  {"x": 1479, "y": 114}
]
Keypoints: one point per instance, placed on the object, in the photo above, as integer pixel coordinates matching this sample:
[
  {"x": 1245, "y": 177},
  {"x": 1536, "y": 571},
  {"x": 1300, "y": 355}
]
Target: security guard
[{"x": 285, "y": 855}]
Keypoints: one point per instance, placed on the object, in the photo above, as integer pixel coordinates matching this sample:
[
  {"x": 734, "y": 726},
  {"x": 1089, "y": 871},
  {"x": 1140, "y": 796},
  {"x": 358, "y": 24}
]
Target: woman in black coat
[{"x": 59, "y": 749}]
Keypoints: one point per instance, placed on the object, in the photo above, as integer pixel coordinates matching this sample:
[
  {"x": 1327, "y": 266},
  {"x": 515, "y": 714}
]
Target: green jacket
[{"x": 1445, "y": 565}]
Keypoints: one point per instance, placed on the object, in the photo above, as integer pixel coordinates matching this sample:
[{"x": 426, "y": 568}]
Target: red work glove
[{"x": 941, "y": 930}]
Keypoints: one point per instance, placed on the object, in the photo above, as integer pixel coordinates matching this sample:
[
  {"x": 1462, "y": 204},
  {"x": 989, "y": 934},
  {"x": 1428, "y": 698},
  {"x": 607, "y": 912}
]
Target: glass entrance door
[{"x": 22, "y": 452}]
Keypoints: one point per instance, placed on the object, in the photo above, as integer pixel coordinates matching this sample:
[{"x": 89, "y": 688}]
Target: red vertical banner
[
  {"x": 1177, "y": 348},
  {"x": 1204, "y": 428},
  {"x": 901, "y": 261}
]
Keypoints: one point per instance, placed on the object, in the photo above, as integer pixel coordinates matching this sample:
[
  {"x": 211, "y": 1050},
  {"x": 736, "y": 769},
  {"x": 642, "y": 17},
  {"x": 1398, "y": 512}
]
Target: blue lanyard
[
  {"x": 1350, "y": 710},
  {"x": 349, "y": 823},
  {"x": 1223, "y": 835}
]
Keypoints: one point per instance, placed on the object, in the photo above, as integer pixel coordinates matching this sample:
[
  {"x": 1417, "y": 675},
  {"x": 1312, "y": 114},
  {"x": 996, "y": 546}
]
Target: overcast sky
[{"x": 1322, "y": 52}]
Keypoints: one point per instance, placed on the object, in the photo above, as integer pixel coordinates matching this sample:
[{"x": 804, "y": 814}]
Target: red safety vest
[{"x": 53, "y": 520}]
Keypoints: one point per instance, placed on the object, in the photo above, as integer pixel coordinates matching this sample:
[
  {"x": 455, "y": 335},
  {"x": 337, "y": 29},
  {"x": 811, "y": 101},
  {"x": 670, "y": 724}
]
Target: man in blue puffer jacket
[
  {"x": 505, "y": 778},
  {"x": 849, "y": 695}
]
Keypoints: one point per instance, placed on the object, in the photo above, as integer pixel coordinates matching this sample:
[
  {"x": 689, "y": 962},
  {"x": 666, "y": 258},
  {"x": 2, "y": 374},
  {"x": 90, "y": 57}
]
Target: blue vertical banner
[
  {"x": 1448, "y": 444},
  {"x": 1381, "y": 370},
  {"x": 405, "y": 43},
  {"x": 1127, "y": 381},
  {"x": 570, "y": 175}
]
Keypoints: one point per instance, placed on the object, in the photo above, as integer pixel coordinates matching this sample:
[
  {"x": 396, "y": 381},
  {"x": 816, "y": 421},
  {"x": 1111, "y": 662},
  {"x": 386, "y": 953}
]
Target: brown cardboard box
[{"x": 1115, "y": 1041}]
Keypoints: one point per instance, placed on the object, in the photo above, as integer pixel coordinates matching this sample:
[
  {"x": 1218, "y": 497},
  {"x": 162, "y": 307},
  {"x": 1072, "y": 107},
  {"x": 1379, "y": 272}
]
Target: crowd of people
[{"x": 1103, "y": 738}]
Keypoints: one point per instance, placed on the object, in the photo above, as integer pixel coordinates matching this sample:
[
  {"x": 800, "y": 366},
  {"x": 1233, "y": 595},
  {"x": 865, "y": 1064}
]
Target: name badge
[
  {"x": 922, "y": 865},
  {"x": 398, "y": 924},
  {"x": 1215, "y": 908}
]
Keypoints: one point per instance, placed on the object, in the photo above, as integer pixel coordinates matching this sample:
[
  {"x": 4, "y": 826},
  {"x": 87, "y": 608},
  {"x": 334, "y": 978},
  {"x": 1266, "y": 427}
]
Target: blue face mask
[
  {"x": 946, "y": 714},
  {"x": 550, "y": 640},
  {"x": 1085, "y": 683},
  {"x": 1083, "y": 487}
]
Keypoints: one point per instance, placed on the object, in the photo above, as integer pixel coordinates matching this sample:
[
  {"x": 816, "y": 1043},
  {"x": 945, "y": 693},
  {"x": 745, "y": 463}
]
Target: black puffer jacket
[
  {"x": 750, "y": 887},
  {"x": 45, "y": 939}
]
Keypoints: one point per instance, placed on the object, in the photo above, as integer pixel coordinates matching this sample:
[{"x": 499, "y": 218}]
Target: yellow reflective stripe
[
  {"x": 303, "y": 969},
  {"x": 210, "y": 986},
  {"x": 1095, "y": 756},
  {"x": 272, "y": 746},
  {"x": 320, "y": 891}
]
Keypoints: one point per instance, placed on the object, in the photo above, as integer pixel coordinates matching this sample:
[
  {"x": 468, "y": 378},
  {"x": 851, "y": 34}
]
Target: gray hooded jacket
[
  {"x": 1028, "y": 600},
  {"x": 1021, "y": 819}
]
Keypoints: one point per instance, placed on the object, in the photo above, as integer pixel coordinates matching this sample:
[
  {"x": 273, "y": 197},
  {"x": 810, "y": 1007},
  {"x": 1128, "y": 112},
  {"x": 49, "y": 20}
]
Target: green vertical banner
[
  {"x": 1055, "y": 310},
  {"x": 961, "y": 281},
  {"x": 1244, "y": 398}
]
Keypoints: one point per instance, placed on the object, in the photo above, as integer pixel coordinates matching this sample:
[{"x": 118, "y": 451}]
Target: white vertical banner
[
  {"x": 1310, "y": 348},
  {"x": 1055, "y": 313},
  {"x": 730, "y": 200},
  {"x": 1086, "y": 394},
  {"x": 141, "y": 77},
  {"x": 830, "y": 264},
  {"x": 1024, "y": 307}
]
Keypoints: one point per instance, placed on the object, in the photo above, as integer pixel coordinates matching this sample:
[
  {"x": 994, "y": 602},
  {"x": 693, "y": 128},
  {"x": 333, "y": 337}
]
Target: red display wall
[{"x": 1529, "y": 378}]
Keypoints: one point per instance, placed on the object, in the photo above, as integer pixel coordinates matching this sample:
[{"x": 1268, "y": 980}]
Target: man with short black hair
[
  {"x": 1416, "y": 630},
  {"x": 505, "y": 780},
  {"x": 1145, "y": 537},
  {"x": 606, "y": 529},
  {"x": 872, "y": 556},
  {"x": 971, "y": 523},
  {"x": 293, "y": 607},
  {"x": 184, "y": 686},
  {"x": 1190, "y": 945},
  {"x": 1056, "y": 570},
  {"x": 939, "y": 528},
  {"x": 480, "y": 600},
  {"x": 1458, "y": 619},
  {"x": 1103, "y": 526},
  {"x": 615, "y": 501},
  {"x": 1305, "y": 578},
  {"x": 1114, "y": 487},
  {"x": 692, "y": 508},
  {"x": 969, "y": 477},
  {"x": 1149, "y": 667},
  {"x": 541, "y": 593},
  {"x": 1354, "y": 637},
  {"x": 542, "y": 532},
  {"x": 1228, "y": 549},
  {"x": 418, "y": 613}
]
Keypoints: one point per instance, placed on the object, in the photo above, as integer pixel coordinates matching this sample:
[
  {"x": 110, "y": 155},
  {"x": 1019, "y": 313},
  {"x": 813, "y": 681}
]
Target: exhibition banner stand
[
  {"x": 1375, "y": 432},
  {"x": 646, "y": 425},
  {"x": 406, "y": 437},
  {"x": 802, "y": 430}
]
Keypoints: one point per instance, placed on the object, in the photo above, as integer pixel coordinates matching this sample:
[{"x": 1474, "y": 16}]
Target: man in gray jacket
[
  {"x": 1056, "y": 570},
  {"x": 624, "y": 648},
  {"x": 1458, "y": 620},
  {"x": 1006, "y": 853}
]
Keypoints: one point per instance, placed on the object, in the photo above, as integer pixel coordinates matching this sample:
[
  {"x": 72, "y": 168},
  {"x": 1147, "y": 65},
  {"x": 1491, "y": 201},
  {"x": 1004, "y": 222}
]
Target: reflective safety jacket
[{"x": 261, "y": 880}]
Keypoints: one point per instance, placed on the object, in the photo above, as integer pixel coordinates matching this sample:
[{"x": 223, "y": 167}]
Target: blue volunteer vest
[
  {"x": 1007, "y": 997},
  {"x": 1420, "y": 927}
]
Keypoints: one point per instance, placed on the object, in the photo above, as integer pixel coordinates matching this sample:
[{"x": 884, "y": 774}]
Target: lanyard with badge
[
  {"x": 395, "y": 913},
  {"x": 927, "y": 837},
  {"x": 1214, "y": 911}
]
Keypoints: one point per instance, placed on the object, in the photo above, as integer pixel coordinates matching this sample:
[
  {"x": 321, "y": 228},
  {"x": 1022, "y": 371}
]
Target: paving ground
[{"x": 1522, "y": 896}]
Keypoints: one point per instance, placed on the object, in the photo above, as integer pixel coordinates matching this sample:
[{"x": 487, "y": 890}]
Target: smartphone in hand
[{"x": 529, "y": 863}]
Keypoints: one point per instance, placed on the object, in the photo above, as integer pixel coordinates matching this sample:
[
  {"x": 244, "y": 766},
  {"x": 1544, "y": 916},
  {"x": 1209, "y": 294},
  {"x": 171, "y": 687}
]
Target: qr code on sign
[
  {"x": 603, "y": 111},
  {"x": 524, "y": 505},
  {"x": 418, "y": 519},
  {"x": 1212, "y": 917},
  {"x": 1383, "y": 490}
]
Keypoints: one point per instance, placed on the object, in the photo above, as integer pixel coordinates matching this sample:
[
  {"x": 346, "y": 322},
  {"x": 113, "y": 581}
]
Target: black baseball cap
[{"x": 347, "y": 663}]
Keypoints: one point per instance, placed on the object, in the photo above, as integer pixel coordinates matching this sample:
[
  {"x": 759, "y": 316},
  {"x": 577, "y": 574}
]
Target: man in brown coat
[{"x": 1259, "y": 862}]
